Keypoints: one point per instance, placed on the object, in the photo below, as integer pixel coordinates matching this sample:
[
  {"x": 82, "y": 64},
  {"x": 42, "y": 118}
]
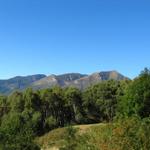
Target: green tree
[
  {"x": 4, "y": 106},
  {"x": 15, "y": 135},
  {"x": 73, "y": 104},
  {"x": 48, "y": 112},
  {"x": 100, "y": 100},
  {"x": 53, "y": 105},
  {"x": 136, "y": 100},
  {"x": 32, "y": 100},
  {"x": 16, "y": 101}
]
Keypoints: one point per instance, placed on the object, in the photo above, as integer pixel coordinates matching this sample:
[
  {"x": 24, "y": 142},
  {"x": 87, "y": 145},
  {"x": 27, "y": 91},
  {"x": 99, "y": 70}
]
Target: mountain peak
[{"x": 41, "y": 81}]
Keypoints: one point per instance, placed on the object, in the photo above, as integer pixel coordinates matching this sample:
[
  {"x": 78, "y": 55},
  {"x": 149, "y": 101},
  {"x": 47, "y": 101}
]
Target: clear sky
[{"x": 60, "y": 36}]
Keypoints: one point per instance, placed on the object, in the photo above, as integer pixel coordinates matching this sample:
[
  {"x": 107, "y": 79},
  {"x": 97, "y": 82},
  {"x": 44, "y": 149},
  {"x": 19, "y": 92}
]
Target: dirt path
[
  {"x": 84, "y": 128},
  {"x": 52, "y": 148}
]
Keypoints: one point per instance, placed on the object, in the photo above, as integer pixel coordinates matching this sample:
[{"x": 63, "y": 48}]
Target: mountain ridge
[
  {"x": 18, "y": 83},
  {"x": 41, "y": 81}
]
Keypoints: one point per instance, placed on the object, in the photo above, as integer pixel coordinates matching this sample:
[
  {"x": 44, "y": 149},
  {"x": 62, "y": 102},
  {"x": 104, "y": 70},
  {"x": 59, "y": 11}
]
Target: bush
[
  {"x": 15, "y": 135},
  {"x": 127, "y": 134}
]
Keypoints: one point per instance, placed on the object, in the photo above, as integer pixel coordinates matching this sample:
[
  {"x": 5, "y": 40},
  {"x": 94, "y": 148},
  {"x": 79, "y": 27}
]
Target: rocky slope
[
  {"x": 41, "y": 81},
  {"x": 76, "y": 80},
  {"x": 18, "y": 83}
]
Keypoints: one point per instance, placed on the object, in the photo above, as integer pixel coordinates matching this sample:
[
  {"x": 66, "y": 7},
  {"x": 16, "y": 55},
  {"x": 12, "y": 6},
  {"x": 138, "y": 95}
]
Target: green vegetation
[
  {"x": 136, "y": 99},
  {"x": 123, "y": 107},
  {"x": 130, "y": 133}
]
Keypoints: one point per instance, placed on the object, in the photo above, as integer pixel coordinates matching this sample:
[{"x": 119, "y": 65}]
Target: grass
[
  {"x": 52, "y": 139},
  {"x": 130, "y": 133},
  {"x": 55, "y": 138}
]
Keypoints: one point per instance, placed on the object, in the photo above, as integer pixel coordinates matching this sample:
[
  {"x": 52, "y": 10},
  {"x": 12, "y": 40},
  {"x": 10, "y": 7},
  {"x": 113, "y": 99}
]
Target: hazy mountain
[
  {"x": 18, "y": 83},
  {"x": 60, "y": 80},
  {"x": 94, "y": 78},
  {"x": 76, "y": 80},
  {"x": 41, "y": 81}
]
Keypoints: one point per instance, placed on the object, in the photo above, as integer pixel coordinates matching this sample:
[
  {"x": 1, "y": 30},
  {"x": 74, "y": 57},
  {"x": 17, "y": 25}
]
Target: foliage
[
  {"x": 100, "y": 101},
  {"x": 14, "y": 135},
  {"x": 132, "y": 133},
  {"x": 136, "y": 100},
  {"x": 25, "y": 115}
]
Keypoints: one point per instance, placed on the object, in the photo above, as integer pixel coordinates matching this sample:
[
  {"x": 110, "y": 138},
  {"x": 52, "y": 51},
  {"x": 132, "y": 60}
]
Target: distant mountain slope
[
  {"x": 41, "y": 81},
  {"x": 18, "y": 83},
  {"x": 76, "y": 80},
  {"x": 94, "y": 78},
  {"x": 60, "y": 80}
]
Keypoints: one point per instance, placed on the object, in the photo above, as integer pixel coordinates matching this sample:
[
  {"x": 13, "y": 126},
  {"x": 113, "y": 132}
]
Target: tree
[
  {"x": 73, "y": 104},
  {"x": 16, "y": 101},
  {"x": 136, "y": 100},
  {"x": 15, "y": 135},
  {"x": 100, "y": 100},
  {"x": 4, "y": 106},
  {"x": 32, "y": 100},
  {"x": 48, "y": 118},
  {"x": 57, "y": 106},
  {"x": 53, "y": 105}
]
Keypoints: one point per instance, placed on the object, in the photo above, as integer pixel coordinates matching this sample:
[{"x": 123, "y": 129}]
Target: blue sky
[{"x": 60, "y": 36}]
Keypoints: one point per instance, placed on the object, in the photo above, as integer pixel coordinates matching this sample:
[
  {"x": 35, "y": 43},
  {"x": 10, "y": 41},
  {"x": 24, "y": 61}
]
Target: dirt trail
[{"x": 52, "y": 148}]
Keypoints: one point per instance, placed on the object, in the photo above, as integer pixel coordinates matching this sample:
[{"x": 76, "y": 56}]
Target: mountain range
[{"x": 41, "y": 81}]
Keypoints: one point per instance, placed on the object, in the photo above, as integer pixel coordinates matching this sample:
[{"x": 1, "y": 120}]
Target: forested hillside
[{"x": 123, "y": 105}]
